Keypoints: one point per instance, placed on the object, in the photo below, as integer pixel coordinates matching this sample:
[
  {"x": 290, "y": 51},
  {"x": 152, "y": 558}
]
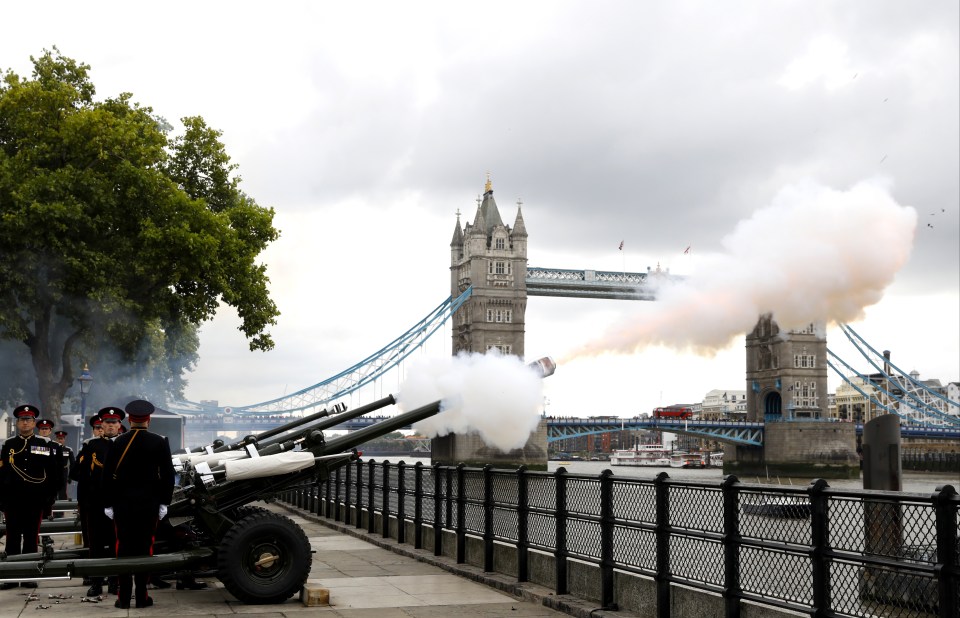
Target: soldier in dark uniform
[
  {"x": 81, "y": 476},
  {"x": 45, "y": 431},
  {"x": 138, "y": 481},
  {"x": 30, "y": 472},
  {"x": 60, "y": 437},
  {"x": 100, "y": 535}
]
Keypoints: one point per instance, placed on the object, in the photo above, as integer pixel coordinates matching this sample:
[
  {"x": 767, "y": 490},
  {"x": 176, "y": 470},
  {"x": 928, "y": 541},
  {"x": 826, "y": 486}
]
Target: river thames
[{"x": 913, "y": 482}]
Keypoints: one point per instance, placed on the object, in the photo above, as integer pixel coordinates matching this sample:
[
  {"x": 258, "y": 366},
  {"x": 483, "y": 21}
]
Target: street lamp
[{"x": 85, "y": 381}]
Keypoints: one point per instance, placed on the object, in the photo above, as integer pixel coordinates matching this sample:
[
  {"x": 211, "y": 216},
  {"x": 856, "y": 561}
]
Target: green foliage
[{"x": 117, "y": 236}]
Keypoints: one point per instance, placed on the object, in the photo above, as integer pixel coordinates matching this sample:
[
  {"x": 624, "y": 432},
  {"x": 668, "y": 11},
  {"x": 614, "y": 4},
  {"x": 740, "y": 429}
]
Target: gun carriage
[{"x": 260, "y": 556}]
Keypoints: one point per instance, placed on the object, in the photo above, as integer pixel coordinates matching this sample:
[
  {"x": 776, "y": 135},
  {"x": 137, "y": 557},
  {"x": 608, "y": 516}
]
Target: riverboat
[
  {"x": 652, "y": 455},
  {"x": 686, "y": 460},
  {"x": 712, "y": 460},
  {"x": 784, "y": 507}
]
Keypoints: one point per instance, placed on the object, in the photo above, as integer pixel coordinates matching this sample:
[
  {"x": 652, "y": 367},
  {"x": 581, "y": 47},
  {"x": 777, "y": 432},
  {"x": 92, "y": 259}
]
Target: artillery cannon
[{"x": 260, "y": 556}]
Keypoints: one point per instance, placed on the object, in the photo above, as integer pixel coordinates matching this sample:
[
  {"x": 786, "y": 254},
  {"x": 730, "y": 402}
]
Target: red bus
[{"x": 682, "y": 412}]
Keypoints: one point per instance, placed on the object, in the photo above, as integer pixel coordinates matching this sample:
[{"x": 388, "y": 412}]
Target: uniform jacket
[
  {"x": 88, "y": 470},
  {"x": 31, "y": 470},
  {"x": 138, "y": 470}
]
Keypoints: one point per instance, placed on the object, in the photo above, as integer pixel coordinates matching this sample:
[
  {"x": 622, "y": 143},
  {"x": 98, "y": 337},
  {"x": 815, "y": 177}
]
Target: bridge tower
[
  {"x": 491, "y": 257},
  {"x": 787, "y": 390}
]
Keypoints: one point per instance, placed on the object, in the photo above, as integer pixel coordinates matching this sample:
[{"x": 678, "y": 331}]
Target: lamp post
[{"x": 85, "y": 381}]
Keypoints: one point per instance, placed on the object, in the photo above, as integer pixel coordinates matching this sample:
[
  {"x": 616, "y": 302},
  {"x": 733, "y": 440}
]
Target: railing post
[
  {"x": 371, "y": 524},
  {"x": 606, "y": 541},
  {"x": 819, "y": 546},
  {"x": 947, "y": 559},
  {"x": 401, "y": 502},
  {"x": 662, "y": 532},
  {"x": 336, "y": 495},
  {"x": 437, "y": 512},
  {"x": 359, "y": 494},
  {"x": 418, "y": 505},
  {"x": 488, "y": 518},
  {"x": 461, "y": 515},
  {"x": 523, "y": 512},
  {"x": 347, "y": 513},
  {"x": 731, "y": 546},
  {"x": 328, "y": 490},
  {"x": 560, "y": 555},
  {"x": 385, "y": 494}
]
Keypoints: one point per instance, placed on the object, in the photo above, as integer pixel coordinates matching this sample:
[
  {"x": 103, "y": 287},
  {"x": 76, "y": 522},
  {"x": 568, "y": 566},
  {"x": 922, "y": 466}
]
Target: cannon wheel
[
  {"x": 248, "y": 509},
  {"x": 264, "y": 558}
]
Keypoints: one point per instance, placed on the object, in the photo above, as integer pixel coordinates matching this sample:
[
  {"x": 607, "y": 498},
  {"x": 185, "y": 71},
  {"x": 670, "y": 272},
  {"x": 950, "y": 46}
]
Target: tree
[{"x": 116, "y": 235}]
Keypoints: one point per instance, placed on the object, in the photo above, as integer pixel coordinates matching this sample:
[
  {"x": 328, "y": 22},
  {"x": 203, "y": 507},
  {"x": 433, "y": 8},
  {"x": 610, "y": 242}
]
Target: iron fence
[{"x": 817, "y": 550}]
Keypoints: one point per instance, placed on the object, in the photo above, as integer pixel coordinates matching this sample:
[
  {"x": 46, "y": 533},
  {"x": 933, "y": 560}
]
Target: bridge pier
[
  {"x": 471, "y": 450},
  {"x": 811, "y": 449}
]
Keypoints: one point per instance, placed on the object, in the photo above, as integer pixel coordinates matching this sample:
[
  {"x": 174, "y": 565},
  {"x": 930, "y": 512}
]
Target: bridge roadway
[{"x": 562, "y": 428}]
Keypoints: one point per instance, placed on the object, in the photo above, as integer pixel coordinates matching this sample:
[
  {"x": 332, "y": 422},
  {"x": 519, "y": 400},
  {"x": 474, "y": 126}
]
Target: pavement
[{"x": 365, "y": 580}]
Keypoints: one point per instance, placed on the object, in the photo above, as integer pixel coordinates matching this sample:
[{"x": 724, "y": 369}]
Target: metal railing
[{"x": 816, "y": 550}]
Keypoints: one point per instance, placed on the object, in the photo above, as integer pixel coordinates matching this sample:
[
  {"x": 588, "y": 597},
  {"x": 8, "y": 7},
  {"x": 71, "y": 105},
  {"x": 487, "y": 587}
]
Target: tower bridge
[{"x": 490, "y": 281}]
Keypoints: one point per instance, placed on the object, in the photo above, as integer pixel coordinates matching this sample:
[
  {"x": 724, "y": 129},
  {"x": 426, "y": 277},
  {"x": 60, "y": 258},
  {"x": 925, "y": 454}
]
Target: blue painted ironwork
[
  {"x": 357, "y": 376},
  {"x": 729, "y": 431},
  {"x": 592, "y": 283}
]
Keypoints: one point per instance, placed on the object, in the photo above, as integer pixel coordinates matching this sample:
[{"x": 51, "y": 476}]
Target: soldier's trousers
[
  {"x": 23, "y": 527},
  {"x": 135, "y": 525}
]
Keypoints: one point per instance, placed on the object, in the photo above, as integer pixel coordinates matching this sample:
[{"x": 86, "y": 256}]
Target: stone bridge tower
[
  {"x": 787, "y": 390},
  {"x": 491, "y": 257},
  {"x": 786, "y": 372}
]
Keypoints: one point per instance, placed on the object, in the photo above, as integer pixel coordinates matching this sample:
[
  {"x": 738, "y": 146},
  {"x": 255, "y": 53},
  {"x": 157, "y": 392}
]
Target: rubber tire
[
  {"x": 252, "y": 537},
  {"x": 246, "y": 510}
]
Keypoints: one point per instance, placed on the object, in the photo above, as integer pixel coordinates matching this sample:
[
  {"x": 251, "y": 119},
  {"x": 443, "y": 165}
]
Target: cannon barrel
[
  {"x": 321, "y": 420},
  {"x": 356, "y": 438}
]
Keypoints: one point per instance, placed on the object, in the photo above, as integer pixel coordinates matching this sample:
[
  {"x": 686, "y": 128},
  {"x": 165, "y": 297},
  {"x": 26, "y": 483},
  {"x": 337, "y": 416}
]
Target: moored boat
[{"x": 641, "y": 455}]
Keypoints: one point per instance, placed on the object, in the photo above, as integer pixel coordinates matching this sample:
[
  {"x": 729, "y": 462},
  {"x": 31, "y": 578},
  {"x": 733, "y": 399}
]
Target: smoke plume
[
  {"x": 495, "y": 396},
  {"x": 815, "y": 254}
]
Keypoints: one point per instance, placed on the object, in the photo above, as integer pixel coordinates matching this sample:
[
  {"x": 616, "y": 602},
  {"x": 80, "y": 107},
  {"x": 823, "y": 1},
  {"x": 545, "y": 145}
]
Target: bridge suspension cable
[
  {"x": 926, "y": 413},
  {"x": 362, "y": 373},
  {"x": 905, "y": 377}
]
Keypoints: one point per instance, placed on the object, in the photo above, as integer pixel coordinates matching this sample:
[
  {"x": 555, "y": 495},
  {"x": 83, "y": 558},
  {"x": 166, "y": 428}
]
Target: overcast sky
[{"x": 660, "y": 124}]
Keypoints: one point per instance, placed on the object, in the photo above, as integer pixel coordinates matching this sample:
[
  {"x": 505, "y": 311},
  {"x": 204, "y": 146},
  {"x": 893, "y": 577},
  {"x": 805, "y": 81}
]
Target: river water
[{"x": 913, "y": 482}]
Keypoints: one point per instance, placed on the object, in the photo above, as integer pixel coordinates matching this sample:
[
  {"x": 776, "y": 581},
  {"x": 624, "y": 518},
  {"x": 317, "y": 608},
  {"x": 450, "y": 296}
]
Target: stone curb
[{"x": 526, "y": 591}]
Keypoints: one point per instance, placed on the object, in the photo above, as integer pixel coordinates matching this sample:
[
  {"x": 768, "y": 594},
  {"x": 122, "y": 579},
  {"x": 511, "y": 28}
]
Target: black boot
[{"x": 95, "y": 589}]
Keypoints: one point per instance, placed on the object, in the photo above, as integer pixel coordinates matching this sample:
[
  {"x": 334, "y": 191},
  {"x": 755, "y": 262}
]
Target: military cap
[
  {"x": 44, "y": 423},
  {"x": 95, "y": 420},
  {"x": 26, "y": 410},
  {"x": 59, "y": 433},
  {"x": 139, "y": 410},
  {"x": 111, "y": 413}
]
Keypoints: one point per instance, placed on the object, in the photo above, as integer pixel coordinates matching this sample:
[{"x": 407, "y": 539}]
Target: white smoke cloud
[
  {"x": 814, "y": 255},
  {"x": 495, "y": 396}
]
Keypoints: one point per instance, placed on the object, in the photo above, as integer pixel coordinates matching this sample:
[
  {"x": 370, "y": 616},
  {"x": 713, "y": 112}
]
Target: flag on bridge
[{"x": 621, "y": 245}]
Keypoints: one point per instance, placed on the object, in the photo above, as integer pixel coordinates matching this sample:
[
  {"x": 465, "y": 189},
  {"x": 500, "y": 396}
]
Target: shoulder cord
[
  {"x": 136, "y": 432},
  {"x": 26, "y": 477}
]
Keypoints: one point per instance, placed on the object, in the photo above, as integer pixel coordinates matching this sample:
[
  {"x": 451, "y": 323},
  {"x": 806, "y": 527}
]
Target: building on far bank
[{"x": 722, "y": 404}]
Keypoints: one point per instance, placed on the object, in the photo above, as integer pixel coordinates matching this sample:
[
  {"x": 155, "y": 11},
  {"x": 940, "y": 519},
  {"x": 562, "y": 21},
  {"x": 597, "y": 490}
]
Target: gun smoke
[
  {"x": 814, "y": 255},
  {"x": 493, "y": 395}
]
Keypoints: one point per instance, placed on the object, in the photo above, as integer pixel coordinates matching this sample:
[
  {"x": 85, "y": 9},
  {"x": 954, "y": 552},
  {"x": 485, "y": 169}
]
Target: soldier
[
  {"x": 81, "y": 476},
  {"x": 30, "y": 476},
  {"x": 138, "y": 481},
  {"x": 99, "y": 533},
  {"x": 60, "y": 437},
  {"x": 44, "y": 429}
]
